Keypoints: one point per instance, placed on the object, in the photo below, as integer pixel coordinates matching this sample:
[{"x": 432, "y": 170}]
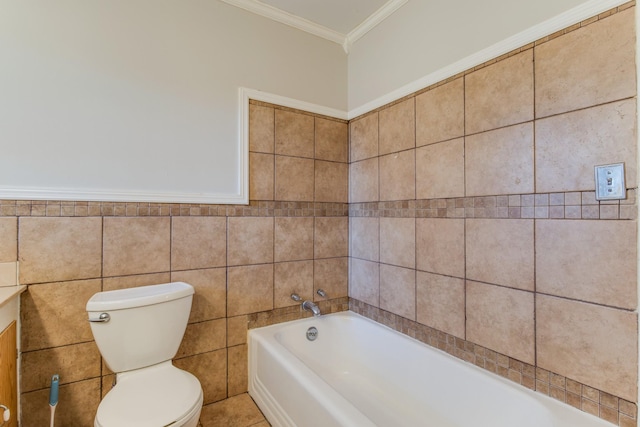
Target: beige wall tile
[
  {"x": 53, "y": 314},
  {"x": 363, "y": 181},
  {"x": 501, "y": 319},
  {"x": 331, "y": 182},
  {"x": 210, "y": 292},
  {"x": 440, "y": 246},
  {"x": 249, "y": 289},
  {"x": 198, "y": 242},
  {"x": 332, "y": 276},
  {"x": 292, "y": 278},
  {"x": 57, "y": 249},
  {"x": 500, "y": 95},
  {"x": 261, "y": 176},
  {"x": 593, "y": 261},
  {"x": 501, "y": 251},
  {"x": 294, "y": 134},
  {"x": 80, "y": 400},
  {"x": 331, "y": 238},
  {"x": 293, "y": 238},
  {"x": 500, "y": 161},
  {"x": 211, "y": 370},
  {"x": 294, "y": 179},
  {"x": 364, "y": 236},
  {"x": 250, "y": 240},
  {"x": 398, "y": 241},
  {"x": 364, "y": 137},
  {"x": 440, "y": 303},
  {"x": 238, "y": 362},
  {"x": 440, "y": 113},
  {"x": 398, "y": 290},
  {"x": 136, "y": 245},
  {"x": 586, "y": 67},
  {"x": 398, "y": 176},
  {"x": 124, "y": 282},
  {"x": 397, "y": 127},
  {"x": 364, "y": 281},
  {"x": 594, "y": 345},
  {"x": 261, "y": 128},
  {"x": 73, "y": 363},
  {"x": 8, "y": 239},
  {"x": 568, "y": 146},
  {"x": 440, "y": 170},
  {"x": 202, "y": 337},
  {"x": 332, "y": 140},
  {"x": 237, "y": 330}
]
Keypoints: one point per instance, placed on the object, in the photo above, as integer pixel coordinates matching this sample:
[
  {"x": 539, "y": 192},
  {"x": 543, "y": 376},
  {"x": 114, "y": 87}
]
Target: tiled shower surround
[
  {"x": 474, "y": 225},
  {"x": 463, "y": 215}
]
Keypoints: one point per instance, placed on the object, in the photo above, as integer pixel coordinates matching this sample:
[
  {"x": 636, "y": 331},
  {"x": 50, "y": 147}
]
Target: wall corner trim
[
  {"x": 257, "y": 95},
  {"x": 545, "y": 28}
]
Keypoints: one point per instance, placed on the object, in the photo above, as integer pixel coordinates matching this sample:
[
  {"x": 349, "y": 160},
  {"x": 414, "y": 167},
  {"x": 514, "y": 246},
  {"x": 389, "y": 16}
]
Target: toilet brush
[{"x": 53, "y": 396}]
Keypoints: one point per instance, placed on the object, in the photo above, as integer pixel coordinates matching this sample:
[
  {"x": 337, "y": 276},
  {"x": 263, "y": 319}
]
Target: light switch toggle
[{"x": 610, "y": 182}]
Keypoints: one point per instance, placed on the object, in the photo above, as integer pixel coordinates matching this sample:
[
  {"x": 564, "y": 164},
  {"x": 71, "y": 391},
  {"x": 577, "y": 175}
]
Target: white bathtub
[{"x": 360, "y": 373}]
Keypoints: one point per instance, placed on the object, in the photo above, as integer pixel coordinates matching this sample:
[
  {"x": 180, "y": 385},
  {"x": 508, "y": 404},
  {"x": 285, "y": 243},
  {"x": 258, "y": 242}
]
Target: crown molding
[
  {"x": 530, "y": 35},
  {"x": 345, "y": 40},
  {"x": 288, "y": 19}
]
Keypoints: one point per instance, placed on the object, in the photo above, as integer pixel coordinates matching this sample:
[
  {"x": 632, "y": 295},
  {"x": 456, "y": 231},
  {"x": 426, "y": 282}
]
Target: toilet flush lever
[{"x": 104, "y": 317}]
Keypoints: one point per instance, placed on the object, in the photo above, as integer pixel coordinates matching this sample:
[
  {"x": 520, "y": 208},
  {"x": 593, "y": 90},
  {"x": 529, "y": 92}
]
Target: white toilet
[{"x": 138, "y": 332}]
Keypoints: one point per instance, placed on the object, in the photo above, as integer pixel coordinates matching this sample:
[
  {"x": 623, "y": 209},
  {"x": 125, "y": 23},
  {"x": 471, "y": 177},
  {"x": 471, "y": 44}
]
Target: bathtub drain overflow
[{"x": 312, "y": 333}]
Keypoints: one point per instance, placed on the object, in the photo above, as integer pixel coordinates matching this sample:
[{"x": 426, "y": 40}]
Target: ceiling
[{"x": 340, "y": 21}]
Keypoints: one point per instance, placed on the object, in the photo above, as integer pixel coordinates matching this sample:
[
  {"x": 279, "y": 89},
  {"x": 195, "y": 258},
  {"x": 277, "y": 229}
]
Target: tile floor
[{"x": 236, "y": 411}]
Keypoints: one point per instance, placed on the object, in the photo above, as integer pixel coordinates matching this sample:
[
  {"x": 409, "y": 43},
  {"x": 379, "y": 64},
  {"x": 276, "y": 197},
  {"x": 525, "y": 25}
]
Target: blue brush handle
[{"x": 53, "y": 392}]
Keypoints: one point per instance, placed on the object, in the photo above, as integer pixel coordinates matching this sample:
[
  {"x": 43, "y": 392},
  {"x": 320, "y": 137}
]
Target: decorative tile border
[
  {"x": 56, "y": 208},
  {"x": 588, "y": 399},
  {"x": 570, "y": 205},
  {"x": 295, "y": 312}
]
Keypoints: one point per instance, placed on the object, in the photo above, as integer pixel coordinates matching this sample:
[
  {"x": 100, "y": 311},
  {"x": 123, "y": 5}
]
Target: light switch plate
[{"x": 610, "y": 182}]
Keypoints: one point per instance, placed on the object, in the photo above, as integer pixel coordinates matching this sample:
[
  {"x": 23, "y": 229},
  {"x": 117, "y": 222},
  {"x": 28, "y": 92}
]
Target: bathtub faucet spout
[{"x": 311, "y": 306}]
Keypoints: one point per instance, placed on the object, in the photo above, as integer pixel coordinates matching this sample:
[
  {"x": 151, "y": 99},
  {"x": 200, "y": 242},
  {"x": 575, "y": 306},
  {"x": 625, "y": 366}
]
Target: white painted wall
[
  {"x": 425, "y": 36},
  {"x": 141, "y": 96}
]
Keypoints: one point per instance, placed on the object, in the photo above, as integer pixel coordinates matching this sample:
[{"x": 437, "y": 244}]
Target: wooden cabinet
[{"x": 9, "y": 374}]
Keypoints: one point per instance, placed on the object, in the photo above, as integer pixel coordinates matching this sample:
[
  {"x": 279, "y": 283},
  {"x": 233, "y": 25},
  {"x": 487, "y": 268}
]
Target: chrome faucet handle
[
  {"x": 296, "y": 297},
  {"x": 322, "y": 293}
]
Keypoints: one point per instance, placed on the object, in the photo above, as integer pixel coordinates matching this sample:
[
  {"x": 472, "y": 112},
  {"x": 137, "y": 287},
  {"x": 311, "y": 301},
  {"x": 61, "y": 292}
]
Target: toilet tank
[{"x": 145, "y": 325}]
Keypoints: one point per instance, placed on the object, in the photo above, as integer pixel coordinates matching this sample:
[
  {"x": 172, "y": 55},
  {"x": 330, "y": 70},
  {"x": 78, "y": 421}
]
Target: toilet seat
[{"x": 156, "y": 396}]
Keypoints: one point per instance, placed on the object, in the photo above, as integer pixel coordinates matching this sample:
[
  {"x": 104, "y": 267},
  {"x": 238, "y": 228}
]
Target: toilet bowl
[{"x": 138, "y": 332}]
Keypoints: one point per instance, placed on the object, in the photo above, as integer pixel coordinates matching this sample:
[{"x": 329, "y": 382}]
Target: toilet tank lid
[{"x": 137, "y": 297}]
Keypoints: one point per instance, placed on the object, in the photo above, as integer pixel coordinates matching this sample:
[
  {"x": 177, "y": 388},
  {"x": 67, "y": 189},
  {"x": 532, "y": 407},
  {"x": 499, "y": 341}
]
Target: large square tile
[
  {"x": 440, "y": 303},
  {"x": 198, "y": 242},
  {"x": 261, "y": 176},
  {"x": 593, "y": 261},
  {"x": 209, "y": 300},
  {"x": 398, "y": 290},
  {"x": 249, "y": 289},
  {"x": 332, "y": 276},
  {"x": 398, "y": 241},
  {"x": 363, "y": 181},
  {"x": 293, "y": 239},
  {"x": 592, "y": 344},
  {"x": 250, "y": 240},
  {"x": 397, "y": 127},
  {"x": 500, "y": 161},
  {"x": 136, "y": 245},
  {"x": 81, "y": 400},
  {"x": 294, "y": 179},
  {"x": 501, "y": 251},
  {"x": 440, "y": 170},
  {"x": 364, "y": 236},
  {"x": 332, "y": 140},
  {"x": 398, "y": 176},
  {"x": 440, "y": 246},
  {"x": 294, "y": 134},
  {"x": 57, "y": 249},
  {"x": 500, "y": 94},
  {"x": 364, "y": 137},
  {"x": 568, "y": 146},
  {"x": 502, "y": 320},
  {"x": 203, "y": 337},
  {"x": 440, "y": 113},
  {"x": 586, "y": 67},
  {"x": 364, "y": 281},
  {"x": 331, "y": 237},
  {"x": 292, "y": 278},
  {"x": 8, "y": 239},
  {"x": 331, "y": 182},
  {"x": 211, "y": 370},
  {"x": 261, "y": 128}
]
